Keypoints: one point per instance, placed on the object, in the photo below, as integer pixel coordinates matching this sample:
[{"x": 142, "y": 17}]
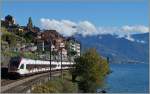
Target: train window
[
  {"x": 22, "y": 66},
  {"x": 30, "y": 66},
  {"x": 53, "y": 66}
]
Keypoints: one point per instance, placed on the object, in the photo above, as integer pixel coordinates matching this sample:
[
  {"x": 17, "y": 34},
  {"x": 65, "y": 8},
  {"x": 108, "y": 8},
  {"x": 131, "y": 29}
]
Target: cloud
[
  {"x": 141, "y": 41},
  {"x": 69, "y": 28},
  {"x": 128, "y": 37},
  {"x": 135, "y": 29},
  {"x": 86, "y": 28},
  {"x": 64, "y": 27},
  {"x": 124, "y": 30},
  {"x": 2, "y": 19}
]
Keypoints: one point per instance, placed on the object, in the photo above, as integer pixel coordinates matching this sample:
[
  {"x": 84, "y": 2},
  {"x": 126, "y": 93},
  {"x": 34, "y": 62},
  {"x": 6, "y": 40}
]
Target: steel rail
[{"x": 22, "y": 81}]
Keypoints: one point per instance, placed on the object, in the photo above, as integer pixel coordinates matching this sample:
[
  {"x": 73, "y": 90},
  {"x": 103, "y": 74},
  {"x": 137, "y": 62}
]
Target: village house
[
  {"x": 47, "y": 37},
  {"x": 73, "y": 46},
  {"x": 29, "y": 47},
  {"x": 37, "y": 40}
]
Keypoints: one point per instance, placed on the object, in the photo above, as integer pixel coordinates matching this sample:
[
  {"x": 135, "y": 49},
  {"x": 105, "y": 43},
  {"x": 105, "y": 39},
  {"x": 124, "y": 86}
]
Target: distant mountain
[
  {"x": 141, "y": 37},
  {"x": 120, "y": 50}
]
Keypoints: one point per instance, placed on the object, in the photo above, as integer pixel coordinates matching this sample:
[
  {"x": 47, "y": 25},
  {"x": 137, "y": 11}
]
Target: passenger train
[{"x": 23, "y": 66}]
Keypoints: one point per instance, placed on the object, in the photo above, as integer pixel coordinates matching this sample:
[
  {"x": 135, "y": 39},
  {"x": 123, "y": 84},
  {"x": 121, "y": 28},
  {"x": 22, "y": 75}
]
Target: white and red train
[{"x": 23, "y": 66}]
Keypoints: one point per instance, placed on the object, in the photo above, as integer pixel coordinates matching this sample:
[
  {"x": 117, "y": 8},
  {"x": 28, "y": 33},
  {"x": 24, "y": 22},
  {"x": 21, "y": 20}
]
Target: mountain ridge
[{"x": 120, "y": 50}]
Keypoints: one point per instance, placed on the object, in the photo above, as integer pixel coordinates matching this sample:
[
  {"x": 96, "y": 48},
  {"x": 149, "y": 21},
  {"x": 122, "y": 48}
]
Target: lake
[{"x": 128, "y": 78}]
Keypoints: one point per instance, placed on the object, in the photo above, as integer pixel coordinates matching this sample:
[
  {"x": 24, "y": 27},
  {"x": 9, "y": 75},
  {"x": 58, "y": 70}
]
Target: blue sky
[{"x": 99, "y": 13}]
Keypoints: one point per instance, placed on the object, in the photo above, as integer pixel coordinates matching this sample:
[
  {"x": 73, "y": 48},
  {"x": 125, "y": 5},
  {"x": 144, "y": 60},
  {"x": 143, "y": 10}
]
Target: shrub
[{"x": 57, "y": 85}]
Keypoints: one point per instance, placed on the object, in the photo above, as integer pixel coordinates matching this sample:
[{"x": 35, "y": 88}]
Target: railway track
[
  {"x": 8, "y": 81},
  {"x": 19, "y": 85},
  {"x": 6, "y": 78}
]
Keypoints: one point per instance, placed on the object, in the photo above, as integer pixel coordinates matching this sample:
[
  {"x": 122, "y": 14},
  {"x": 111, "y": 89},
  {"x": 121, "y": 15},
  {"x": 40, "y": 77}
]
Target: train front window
[{"x": 22, "y": 66}]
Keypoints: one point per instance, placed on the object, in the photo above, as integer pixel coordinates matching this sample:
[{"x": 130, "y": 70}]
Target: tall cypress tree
[{"x": 30, "y": 25}]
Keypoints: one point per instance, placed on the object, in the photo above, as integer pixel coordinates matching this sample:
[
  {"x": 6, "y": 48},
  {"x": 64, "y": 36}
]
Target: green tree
[
  {"x": 73, "y": 53},
  {"x": 90, "y": 69},
  {"x": 9, "y": 20},
  {"x": 30, "y": 25},
  {"x": 29, "y": 36},
  {"x": 8, "y": 37}
]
